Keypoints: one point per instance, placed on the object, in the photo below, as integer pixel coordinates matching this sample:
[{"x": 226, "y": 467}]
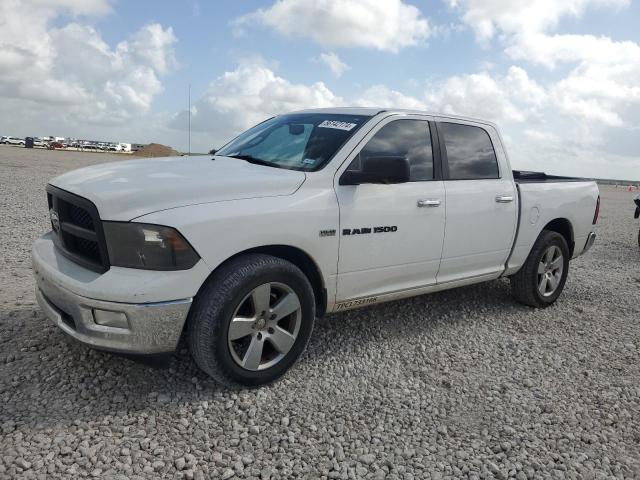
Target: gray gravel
[{"x": 459, "y": 384}]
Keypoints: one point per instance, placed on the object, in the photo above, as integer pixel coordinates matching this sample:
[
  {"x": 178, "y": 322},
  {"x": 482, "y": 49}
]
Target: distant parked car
[
  {"x": 15, "y": 141},
  {"x": 54, "y": 145},
  {"x": 31, "y": 142},
  {"x": 3, "y": 139}
]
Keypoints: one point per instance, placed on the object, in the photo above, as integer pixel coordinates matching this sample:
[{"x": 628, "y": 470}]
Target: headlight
[{"x": 149, "y": 247}]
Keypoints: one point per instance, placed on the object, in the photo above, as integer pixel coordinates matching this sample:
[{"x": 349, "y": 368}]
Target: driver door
[{"x": 391, "y": 235}]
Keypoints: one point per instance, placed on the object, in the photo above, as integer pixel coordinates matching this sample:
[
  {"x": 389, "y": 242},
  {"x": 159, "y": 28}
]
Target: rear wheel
[
  {"x": 252, "y": 320},
  {"x": 541, "y": 279}
]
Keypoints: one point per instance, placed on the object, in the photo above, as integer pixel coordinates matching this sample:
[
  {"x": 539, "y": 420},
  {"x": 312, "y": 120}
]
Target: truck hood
[{"x": 126, "y": 190}]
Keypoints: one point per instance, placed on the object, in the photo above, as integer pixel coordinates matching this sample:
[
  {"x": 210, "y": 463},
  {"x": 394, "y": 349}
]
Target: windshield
[{"x": 299, "y": 141}]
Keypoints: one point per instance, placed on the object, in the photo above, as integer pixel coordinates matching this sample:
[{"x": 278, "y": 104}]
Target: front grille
[
  {"x": 77, "y": 229},
  {"x": 80, "y": 217},
  {"x": 86, "y": 248}
]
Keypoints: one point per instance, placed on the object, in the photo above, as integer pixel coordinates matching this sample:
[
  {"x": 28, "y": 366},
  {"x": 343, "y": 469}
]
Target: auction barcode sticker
[{"x": 339, "y": 125}]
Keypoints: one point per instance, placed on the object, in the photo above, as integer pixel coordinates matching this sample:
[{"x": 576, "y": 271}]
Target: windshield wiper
[{"x": 257, "y": 161}]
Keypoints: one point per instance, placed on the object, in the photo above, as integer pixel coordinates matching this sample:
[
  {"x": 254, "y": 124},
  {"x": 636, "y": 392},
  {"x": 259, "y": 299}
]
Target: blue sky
[
  {"x": 560, "y": 78},
  {"x": 206, "y": 48}
]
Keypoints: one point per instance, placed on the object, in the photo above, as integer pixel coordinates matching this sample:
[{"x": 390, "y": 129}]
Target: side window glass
[
  {"x": 470, "y": 153},
  {"x": 406, "y": 138}
]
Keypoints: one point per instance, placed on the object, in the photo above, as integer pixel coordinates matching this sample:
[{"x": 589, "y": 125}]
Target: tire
[
  {"x": 527, "y": 283},
  {"x": 231, "y": 295}
]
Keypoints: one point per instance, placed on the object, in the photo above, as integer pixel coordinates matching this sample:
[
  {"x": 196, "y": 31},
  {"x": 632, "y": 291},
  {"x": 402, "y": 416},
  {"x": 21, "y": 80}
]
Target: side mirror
[
  {"x": 378, "y": 170},
  {"x": 212, "y": 151}
]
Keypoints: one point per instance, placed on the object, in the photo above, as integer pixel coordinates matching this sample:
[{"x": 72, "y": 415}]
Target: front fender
[{"x": 221, "y": 230}]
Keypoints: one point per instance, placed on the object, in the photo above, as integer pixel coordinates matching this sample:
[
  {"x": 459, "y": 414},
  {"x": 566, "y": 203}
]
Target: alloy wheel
[
  {"x": 550, "y": 271},
  {"x": 264, "y": 326}
]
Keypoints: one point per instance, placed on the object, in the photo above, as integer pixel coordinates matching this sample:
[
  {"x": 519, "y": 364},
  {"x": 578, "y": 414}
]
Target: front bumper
[{"x": 136, "y": 328}]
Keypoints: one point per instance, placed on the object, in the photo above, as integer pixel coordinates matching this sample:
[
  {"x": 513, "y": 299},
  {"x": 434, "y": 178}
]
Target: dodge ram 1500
[{"x": 304, "y": 214}]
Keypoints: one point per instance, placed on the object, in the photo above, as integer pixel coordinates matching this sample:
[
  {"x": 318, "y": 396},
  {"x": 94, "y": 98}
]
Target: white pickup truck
[{"x": 308, "y": 213}]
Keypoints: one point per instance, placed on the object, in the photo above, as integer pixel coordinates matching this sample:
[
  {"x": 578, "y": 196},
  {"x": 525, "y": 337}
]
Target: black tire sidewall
[
  {"x": 548, "y": 240},
  {"x": 237, "y": 287}
]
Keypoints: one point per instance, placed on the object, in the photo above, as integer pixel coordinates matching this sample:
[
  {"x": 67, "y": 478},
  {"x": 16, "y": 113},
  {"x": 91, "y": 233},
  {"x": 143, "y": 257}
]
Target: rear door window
[{"x": 469, "y": 150}]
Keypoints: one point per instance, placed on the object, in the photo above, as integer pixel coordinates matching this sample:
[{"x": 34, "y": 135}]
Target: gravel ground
[{"x": 459, "y": 384}]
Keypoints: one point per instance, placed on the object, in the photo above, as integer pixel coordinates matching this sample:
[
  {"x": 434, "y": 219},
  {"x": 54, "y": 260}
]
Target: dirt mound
[{"x": 156, "y": 150}]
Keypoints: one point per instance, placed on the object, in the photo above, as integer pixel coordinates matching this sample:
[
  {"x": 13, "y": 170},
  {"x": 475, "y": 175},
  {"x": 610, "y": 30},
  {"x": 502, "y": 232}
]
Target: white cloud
[
  {"x": 333, "y": 63},
  {"x": 513, "y": 97},
  {"x": 384, "y": 97},
  {"x": 389, "y": 25},
  {"x": 549, "y": 50},
  {"x": 602, "y": 83},
  {"x": 542, "y": 133},
  {"x": 72, "y": 66},
  {"x": 248, "y": 95},
  {"x": 252, "y": 92},
  {"x": 575, "y": 106},
  {"x": 152, "y": 45},
  {"x": 526, "y": 26},
  {"x": 488, "y": 17},
  {"x": 74, "y": 7}
]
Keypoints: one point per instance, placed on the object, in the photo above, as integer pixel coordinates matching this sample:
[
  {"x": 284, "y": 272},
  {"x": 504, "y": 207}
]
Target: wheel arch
[
  {"x": 563, "y": 227},
  {"x": 300, "y": 259}
]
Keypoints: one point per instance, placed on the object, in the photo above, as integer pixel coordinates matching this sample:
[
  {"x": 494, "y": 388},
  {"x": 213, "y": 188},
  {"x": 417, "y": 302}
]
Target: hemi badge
[{"x": 328, "y": 233}]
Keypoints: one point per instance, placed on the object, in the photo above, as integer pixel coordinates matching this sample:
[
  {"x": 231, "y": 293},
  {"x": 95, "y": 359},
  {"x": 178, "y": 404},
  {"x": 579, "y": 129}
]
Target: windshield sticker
[
  {"x": 309, "y": 161},
  {"x": 338, "y": 125}
]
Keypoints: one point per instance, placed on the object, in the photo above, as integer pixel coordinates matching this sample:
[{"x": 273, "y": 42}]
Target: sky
[{"x": 560, "y": 78}]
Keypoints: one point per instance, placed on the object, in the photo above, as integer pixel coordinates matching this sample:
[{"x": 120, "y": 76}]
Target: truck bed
[
  {"x": 523, "y": 176},
  {"x": 569, "y": 201}
]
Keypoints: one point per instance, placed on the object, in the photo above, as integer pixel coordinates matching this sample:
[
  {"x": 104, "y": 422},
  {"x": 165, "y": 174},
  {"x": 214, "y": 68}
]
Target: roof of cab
[{"x": 373, "y": 111}]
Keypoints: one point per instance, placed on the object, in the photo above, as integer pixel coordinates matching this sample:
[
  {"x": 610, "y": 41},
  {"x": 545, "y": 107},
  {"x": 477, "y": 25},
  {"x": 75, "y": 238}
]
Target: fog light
[{"x": 110, "y": 319}]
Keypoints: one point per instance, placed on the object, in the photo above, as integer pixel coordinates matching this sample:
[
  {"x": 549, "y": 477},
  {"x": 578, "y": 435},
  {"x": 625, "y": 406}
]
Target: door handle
[
  {"x": 504, "y": 198},
  {"x": 429, "y": 203}
]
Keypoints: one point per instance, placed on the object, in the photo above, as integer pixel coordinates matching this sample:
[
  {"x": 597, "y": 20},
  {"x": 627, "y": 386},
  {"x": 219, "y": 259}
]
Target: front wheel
[
  {"x": 541, "y": 279},
  {"x": 251, "y": 320}
]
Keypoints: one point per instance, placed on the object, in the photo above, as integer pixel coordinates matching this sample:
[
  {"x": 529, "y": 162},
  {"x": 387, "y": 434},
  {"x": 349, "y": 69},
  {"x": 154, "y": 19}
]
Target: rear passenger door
[{"x": 481, "y": 202}]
